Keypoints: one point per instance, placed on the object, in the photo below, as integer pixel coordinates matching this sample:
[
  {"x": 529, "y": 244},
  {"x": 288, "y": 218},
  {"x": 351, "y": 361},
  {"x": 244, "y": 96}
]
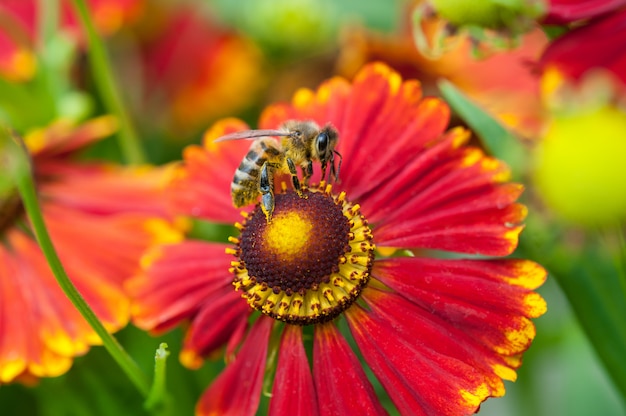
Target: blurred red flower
[
  {"x": 195, "y": 69},
  {"x": 100, "y": 218},
  {"x": 18, "y": 29}
]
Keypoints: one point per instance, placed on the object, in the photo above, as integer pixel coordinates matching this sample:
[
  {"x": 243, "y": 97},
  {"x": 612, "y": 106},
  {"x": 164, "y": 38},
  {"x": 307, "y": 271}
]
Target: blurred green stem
[
  {"x": 21, "y": 171},
  {"x": 158, "y": 401},
  {"x": 103, "y": 75}
]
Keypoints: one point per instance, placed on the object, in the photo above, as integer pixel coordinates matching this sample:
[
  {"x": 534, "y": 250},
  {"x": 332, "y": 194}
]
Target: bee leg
[
  {"x": 266, "y": 189},
  {"x": 324, "y": 164},
  {"x": 294, "y": 178},
  {"x": 307, "y": 172}
]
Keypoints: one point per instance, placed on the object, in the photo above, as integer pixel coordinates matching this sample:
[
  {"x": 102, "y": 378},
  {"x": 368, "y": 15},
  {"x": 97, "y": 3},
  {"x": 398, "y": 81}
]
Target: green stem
[
  {"x": 158, "y": 400},
  {"x": 103, "y": 75},
  {"x": 26, "y": 187}
]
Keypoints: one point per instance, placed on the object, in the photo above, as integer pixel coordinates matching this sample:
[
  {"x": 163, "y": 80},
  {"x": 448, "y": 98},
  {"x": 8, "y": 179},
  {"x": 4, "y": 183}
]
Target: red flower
[
  {"x": 438, "y": 333},
  {"x": 100, "y": 219},
  {"x": 599, "y": 42},
  {"x": 196, "y": 69}
]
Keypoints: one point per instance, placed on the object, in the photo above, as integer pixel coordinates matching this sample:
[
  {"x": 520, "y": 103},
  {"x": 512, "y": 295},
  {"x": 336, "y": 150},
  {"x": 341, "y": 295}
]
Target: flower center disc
[{"x": 309, "y": 263}]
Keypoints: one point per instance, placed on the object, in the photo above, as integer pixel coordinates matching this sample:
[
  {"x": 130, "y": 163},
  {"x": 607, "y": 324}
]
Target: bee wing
[{"x": 251, "y": 134}]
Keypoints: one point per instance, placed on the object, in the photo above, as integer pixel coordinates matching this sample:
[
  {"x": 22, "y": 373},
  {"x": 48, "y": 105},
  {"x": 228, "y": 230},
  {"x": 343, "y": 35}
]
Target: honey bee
[{"x": 301, "y": 143}]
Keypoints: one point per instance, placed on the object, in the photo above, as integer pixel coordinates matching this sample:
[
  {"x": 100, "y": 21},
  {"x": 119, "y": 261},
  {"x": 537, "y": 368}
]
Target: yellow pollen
[{"x": 287, "y": 235}]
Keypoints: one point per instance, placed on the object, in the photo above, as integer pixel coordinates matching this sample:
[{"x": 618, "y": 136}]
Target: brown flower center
[{"x": 309, "y": 263}]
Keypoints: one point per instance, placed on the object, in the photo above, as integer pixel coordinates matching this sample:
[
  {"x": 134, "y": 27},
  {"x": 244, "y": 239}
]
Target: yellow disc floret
[{"x": 288, "y": 234}]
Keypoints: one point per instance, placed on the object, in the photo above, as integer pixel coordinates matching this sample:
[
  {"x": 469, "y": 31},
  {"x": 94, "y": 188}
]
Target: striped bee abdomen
[{"x": 245, "y": 185}]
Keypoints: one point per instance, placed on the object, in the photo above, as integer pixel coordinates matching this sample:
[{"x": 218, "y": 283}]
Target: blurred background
[{"x": 182, "y": 65}]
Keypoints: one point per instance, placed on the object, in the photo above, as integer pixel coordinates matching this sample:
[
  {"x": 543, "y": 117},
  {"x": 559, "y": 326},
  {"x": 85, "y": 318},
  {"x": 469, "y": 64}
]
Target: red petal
[
  {"x": 377, "y": 107},
  {"x": 325, "y": 105},
  {"x": 201, "y": 187},
  {"x": 105, "y": 190},
  {"x": 435, "y": 334},
  {"x": 222, "y": 315},
  {"x": 177, "y": 281},
  {"x": 40, "y": 329},
  {"x": 490, "y": 300},
  {"x": 341, "y": 384},
  {"x": 62, "y": 138},
  {"x": 393, "y": 143},
  {"x": 386, "y": 122},
  {"x": 448, "y": 198},
  {"x": 419, "y": 380},
  {"x": 237, "y": 391},
  {"x": 567, "y": 11},
  {"x": 293, "y": 392},
  {"x": 600, "y": 42}
]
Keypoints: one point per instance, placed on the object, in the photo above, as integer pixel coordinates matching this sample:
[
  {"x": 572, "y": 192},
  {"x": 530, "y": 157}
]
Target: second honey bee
[{"x": 301, "y": 143}]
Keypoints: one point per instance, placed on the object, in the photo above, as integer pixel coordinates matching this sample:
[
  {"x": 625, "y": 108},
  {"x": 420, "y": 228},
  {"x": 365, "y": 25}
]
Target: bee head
[
  {"x": 324, "y": 144},
  {"x": 324, "y": 148}
]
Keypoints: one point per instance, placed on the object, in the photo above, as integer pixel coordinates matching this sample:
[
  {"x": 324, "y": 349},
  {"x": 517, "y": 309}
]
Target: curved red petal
[
  {"x": 107, "y": 190},
  {"x": 327, "y": 104},
  {"x": 435, "y": 334},
  {"x": 392, "y": 143},
  {"x": 377, "y": 112},
  {"x": 41, "y": 329},
  {"x": 341, "y": 384},
  {"x": 419, "y": 380},
  {"x": 222, "y": 314},
  {"x": 176, "y": 280},
  {"x": 449, "y": 198},
  {"x": 237, "y": 391},
  {"x": 490, "y": 300},
  {"x": 293, "y": 392},
  {"x": 51, "y": 145},
  {"x": 201, "y": 186}
]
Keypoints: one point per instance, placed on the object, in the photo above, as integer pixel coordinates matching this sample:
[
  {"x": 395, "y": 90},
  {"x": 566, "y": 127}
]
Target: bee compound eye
[{"x": 322, "y": 142}]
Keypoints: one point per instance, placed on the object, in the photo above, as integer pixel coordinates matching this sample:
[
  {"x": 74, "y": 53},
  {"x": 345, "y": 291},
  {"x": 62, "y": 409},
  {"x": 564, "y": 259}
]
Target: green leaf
[{"x": 496, "y": 139}]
